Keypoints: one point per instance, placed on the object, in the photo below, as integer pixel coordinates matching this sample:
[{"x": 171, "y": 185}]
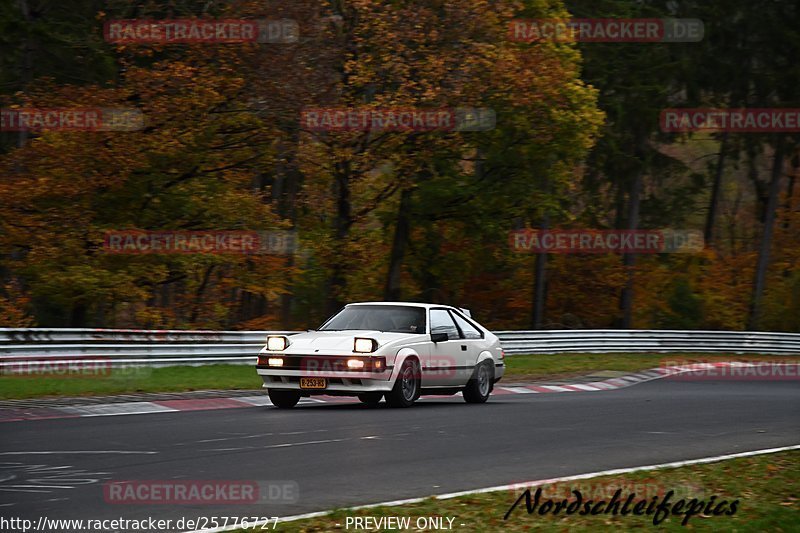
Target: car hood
[{"x": 342, "y": 341}]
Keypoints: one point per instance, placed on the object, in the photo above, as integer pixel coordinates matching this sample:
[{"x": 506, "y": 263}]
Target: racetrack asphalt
[{"x": 348, "y": 454}]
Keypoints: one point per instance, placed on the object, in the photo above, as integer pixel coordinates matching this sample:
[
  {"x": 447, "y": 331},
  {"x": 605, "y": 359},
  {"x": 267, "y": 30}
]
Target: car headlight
[
  {"x": 365, "y": 345},
  {"x": 277, "y": 343},
  {"x": 355, "y": 364},
  {"x": 275, "y": 361}
]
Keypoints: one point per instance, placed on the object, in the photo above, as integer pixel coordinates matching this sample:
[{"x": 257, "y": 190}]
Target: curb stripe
[
  {"x": 581, "y": 386},
  {"x": 554, "y": 388},
  {"x": 518, "y": 390},
  {"x": 202, "y": 405},
  {"x": 16, "y": 414},
  {"x": 113, "y": 409}
]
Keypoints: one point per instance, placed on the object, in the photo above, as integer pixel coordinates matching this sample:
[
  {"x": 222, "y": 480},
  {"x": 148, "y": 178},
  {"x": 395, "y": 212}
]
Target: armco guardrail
[
  {"x": 41, "y": 346},
  {"x": 34, "y": 347},
  {"x": 662, "y": 341}
]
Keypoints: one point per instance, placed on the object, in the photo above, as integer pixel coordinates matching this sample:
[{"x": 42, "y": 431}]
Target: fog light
[
  {"x": 275, "y": 361},
  {"x": 355, "y": 363}
]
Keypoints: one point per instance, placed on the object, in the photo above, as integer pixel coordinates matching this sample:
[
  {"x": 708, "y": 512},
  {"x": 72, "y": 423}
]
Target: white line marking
[
  {"x": 451, "y": 495},
  {"x": 271, "y": 446},
  {"x": 289, "y": 445},
  {"x": 617, "y": 471},
  {"x": 41, "y": 486},
  {"x": 119, "y": 452},
  {"x": 221, "y": 439}
]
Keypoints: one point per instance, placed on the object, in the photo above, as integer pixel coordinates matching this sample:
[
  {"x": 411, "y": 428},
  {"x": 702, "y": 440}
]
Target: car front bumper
[{"x": 337, "y": 382}]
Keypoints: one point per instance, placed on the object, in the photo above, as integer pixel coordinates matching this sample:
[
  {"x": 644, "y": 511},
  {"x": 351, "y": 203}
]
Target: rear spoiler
[{"x": 465, "y": 311}]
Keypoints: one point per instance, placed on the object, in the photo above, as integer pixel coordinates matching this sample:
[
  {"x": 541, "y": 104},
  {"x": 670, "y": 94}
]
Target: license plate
[{"x": 313, "y": 383}]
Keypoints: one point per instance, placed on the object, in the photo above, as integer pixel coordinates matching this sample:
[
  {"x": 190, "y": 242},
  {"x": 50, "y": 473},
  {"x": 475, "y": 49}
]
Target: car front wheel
[
  {"x": 283, "y": 399},
  {"x": 479, "y": 386},
  {"x": 407, "y": 386}
]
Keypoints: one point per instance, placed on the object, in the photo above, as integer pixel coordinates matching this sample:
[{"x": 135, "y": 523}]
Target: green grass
[
  {"x": 767, "y": 487},
  {"x": 549, "y": 366},
  {"x": 129, "y": 380},
  {"x": 172, "y": 379}
]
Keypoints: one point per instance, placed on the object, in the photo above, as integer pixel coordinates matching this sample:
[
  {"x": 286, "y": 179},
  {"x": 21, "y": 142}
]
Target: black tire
[
  {"x": 371, "y": 399},
  {"x": 283, "y": 399},
  {"x": 406, "y": 388},
  {"x": 479, "y": 387}
]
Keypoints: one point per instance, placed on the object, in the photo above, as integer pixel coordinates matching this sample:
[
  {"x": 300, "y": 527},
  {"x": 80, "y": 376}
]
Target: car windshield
[{"x": 389, "y": 318}]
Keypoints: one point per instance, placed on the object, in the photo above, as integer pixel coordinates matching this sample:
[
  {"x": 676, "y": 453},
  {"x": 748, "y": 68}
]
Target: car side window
[
  {"x": 441, "y": 322},
  {"x": 467, "y": 329}
]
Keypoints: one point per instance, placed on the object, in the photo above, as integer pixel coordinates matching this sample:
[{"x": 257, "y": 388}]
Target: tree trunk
[
  {"x": 629, "y": 260},
  {"x": 337, "y": 281},
  {"x": 428, "y": 280},
  {"x": 290, "y": 178},
  {"x": 766, "y": 238},
  {"x": 540, "y": 284},
  {"x": 27, "y": 63},
  {"x": 790, "y": 189},
  {"x": 77, "y": 315},
  {"x": 198, "y": 296},
  {"x": 715, "y": 188},
  {"x": 402, "y": 233}
]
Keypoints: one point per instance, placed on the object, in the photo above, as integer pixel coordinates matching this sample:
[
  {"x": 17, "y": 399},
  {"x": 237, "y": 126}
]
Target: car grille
[{"x": 321, "y": 363}]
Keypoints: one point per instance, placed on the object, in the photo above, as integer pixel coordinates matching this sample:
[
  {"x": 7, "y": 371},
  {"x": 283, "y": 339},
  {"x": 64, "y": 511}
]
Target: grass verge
[
  {"x": 131, "y": 380},
  {"x": 535, "y": 367},
  {"x": 235, "y": 377},
  {"x": 767, "y": 488}
]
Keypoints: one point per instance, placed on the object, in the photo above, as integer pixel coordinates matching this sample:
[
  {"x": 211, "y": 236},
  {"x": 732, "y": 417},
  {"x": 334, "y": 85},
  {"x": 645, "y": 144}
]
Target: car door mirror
[{"x": 439, "y": 337}]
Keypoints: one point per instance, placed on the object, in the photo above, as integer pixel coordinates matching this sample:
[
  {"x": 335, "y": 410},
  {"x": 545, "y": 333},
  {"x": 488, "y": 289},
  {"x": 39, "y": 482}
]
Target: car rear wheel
[
  {"x": 283, "y": 399},
  {"x": 370, "y": 398},
  {"x": 406, "y": 387},
  {"x": 479, "y": 386}
]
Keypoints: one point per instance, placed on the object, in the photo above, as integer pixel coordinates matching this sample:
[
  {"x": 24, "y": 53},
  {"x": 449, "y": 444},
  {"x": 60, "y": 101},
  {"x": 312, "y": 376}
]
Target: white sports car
[{"x": 384, "y": 349}]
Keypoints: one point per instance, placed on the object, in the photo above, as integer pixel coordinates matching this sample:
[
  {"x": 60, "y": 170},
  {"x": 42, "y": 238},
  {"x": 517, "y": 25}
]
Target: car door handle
[{"x": 463, "y": 347}]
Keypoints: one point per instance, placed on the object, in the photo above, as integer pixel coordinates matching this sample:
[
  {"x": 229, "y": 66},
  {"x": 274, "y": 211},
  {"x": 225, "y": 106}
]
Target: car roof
[{"x": 407, "y": 304}]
